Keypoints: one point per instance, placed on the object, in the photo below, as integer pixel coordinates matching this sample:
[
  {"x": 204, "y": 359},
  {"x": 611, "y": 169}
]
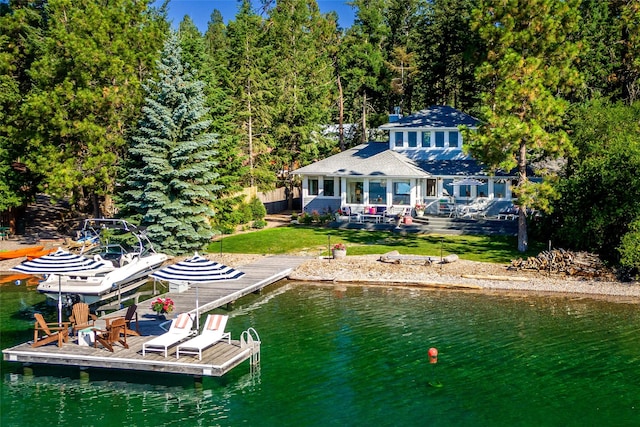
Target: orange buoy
[{"x": 433, "y": 355}]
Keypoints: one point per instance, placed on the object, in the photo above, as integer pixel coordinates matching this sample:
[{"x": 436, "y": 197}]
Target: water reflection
[{"x": 332, "y": 354}]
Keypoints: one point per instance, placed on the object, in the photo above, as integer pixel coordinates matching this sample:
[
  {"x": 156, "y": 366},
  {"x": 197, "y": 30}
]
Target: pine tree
[
  {"x": 303, "y": 74},
  {"x": 530, "y": 64},
  {"x": 447, "y": 54},
  {"x": 249, "y": 59},
  {"x": 85, "y": 92},
  {"x": 230, "y": 161},
  {"x": 18, "y": 24},
  {"x": 172, "y": 171}
]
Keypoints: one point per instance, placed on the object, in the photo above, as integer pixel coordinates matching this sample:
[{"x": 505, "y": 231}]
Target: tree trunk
[
  {"x": 364, "y": 117},
  {"x": 250, "y": 135},
  {"x": 340, "y": 116},
  {"x": 523, "y": 238}
]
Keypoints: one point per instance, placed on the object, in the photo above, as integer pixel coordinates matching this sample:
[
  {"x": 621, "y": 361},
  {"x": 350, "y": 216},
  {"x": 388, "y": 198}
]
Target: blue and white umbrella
[
  {"x": 195, "y": 271},
  {"x": 61, "y": 262}
]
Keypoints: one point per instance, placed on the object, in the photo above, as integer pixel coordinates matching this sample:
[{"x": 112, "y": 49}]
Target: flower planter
[
  {"x": 339, "y": 253},
  {"x": 419, "y": 213}
]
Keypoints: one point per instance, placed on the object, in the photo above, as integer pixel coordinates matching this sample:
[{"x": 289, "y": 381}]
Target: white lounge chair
[
  {"x": 212, "y": 332},
  {"x": 180, "y": 330}
]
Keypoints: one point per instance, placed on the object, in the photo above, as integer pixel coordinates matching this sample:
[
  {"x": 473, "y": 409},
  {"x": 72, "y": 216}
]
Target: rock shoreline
[{"x": 461, "y": 274}]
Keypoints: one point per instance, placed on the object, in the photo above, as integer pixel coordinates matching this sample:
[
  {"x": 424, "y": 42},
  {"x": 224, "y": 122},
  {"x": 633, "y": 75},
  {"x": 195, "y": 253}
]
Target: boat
[
  {"x": 127, "y": 259},
  {"x": 18, "y": 253}
]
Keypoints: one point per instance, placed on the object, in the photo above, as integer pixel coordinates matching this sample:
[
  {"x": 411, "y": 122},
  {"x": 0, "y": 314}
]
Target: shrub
[
  {"x": 258, "y": 210},
  {"x": 259, "y": 223}
]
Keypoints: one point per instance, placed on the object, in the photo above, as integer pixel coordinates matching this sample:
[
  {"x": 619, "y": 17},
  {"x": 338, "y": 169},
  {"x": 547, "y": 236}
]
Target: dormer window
[
  {"x": 453, "y": 138},
  {"x": 413, "y": 139},
  {"x": 426, "y": 139},
  {"x": 439, "y": 139},
  {"x": 399, "y": 139}
]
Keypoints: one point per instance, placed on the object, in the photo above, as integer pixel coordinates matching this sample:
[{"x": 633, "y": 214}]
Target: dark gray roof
[
  {"x": 439, "y": 116},
  {"x": 372, "y": 159}
]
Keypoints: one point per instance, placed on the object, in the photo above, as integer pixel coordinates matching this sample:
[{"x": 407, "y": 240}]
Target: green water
[{"x": 357, "y": 356}]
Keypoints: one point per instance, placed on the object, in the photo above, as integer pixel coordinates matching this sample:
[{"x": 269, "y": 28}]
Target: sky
[{"x": 200, "y": 11}]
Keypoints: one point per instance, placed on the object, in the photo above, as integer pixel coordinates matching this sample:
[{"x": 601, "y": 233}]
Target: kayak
[
  {"x": 17, "y": 253},
  {"x": 38, "y": 254}
]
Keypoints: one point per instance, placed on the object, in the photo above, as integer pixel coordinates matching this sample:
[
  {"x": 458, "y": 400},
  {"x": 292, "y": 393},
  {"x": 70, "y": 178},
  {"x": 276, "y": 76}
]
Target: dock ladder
[{"x": 251, "y": 339}]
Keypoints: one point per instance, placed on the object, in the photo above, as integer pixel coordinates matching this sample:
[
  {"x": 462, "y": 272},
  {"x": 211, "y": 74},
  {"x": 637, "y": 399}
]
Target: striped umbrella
[
  {"x": 196, "y": 270},
  {"x": 61, "y": 262}
]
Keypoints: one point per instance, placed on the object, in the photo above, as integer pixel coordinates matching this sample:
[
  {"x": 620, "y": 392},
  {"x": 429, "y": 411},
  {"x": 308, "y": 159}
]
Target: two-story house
[{"x": 421, "y": 163}]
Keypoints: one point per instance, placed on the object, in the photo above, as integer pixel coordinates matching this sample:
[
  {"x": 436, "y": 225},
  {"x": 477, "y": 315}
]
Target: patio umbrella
[
  {"x": 196, "y": 270},
  {"x": 61, "y": 262}
]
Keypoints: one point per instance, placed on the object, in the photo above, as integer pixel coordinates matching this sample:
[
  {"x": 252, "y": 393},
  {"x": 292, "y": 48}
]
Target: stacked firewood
[{"x": 562, "y": 261}]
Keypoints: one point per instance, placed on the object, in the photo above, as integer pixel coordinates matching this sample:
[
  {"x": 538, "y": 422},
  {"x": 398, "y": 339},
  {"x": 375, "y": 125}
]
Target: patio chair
[
  {"x": 81, "y": 318},
  {"x": 51, "y": 332},
  {"x": 212, "y": 332},
  {"x": 180, "y": 330},
  {"x": 128, "y": 318},
  {"x": 114, "y": 333}
]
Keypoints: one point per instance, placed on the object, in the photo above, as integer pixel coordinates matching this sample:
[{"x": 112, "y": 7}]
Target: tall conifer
[
  {"x": 172, "y": 171},
  {"x": 530, "y": 64}
]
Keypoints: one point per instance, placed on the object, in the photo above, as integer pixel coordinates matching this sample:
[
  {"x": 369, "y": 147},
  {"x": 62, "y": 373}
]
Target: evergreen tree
[
  {"x": 528, "y": 67},
  {"x": 172, "y": 172},
  {"x": 362, "y": 65},
  {"x": 19, "y": 25},
  {"x": 249, "y": 60},
  {"x": 84, "y": 93},
  {"x": 447, "y": 54},
  {"x": 218, "y": 102},
  {"x": 303, "y": 74}
]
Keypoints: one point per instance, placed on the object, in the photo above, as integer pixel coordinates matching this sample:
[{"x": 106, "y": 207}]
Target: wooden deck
[{"x": 216, "y": 360}]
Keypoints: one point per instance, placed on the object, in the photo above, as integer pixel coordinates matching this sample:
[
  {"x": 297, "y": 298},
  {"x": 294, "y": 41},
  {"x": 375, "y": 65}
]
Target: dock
[{"x": 217, "y": 360}]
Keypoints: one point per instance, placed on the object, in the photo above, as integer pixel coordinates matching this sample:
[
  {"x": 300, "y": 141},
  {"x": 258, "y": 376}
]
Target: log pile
[{"x": 572, "y": 263}]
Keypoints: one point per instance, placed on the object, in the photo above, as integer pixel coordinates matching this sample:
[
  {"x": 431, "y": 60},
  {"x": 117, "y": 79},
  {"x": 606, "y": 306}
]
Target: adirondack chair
[
  {"x": 51, "y": 332},
  {"x": 115, "y": 333},
  {"x": 128, "y": 317},
  {"x": 81, "y": 318}
]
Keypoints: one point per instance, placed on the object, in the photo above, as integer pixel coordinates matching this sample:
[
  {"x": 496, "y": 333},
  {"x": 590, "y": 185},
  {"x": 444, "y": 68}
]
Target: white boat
[{"x": 123, "y": 268}]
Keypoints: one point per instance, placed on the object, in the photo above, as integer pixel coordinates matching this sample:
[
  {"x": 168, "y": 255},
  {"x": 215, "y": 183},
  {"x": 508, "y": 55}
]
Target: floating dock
[{"x": 217, "y": 360}]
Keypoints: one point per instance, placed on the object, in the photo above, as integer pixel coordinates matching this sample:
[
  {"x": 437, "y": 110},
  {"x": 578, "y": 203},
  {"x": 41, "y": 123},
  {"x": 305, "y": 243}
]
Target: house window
[
  {"x": 482, "y": 190},
  {"x": 398, "y": 139},
  {"x": 431, "y": 189},
  {"x": 447, "y": 187},
  {"x": 499, "y": 189},
  {"x": 354, "y": 191},
  {"x": 378, "y": 192},
  {"x": 426, "y": 139},
  {"x": 439, "y": 139},
  {"x": 401, "y": 192},
  {"x": 413, "y": 139},
  {"x": 329, "y": 189},
  {"x": 313, "y": 187},
  {"x": 453, "y": 138}
]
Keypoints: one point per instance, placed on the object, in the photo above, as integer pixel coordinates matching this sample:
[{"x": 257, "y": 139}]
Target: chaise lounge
[
  {"x": 212, "y": 332},
  {"x": 180, "y": 330}
]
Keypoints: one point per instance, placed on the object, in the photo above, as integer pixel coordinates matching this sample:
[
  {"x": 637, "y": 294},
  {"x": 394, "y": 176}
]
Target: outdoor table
[
  {"x": 86, "y": 337},
  {"x": 376, "y": 218}
]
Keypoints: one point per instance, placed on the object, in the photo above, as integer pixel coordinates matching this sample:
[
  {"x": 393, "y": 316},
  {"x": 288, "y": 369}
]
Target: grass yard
[{"x": 316, "y": 241}]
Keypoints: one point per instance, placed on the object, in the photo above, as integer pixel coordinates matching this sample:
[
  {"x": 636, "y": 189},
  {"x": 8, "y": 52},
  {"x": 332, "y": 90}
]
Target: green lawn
[{"x": 316, "y": 241}]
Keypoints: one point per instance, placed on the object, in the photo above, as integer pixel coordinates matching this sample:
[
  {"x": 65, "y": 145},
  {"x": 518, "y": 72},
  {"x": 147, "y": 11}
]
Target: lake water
[{"x": 357, "y": 356}]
